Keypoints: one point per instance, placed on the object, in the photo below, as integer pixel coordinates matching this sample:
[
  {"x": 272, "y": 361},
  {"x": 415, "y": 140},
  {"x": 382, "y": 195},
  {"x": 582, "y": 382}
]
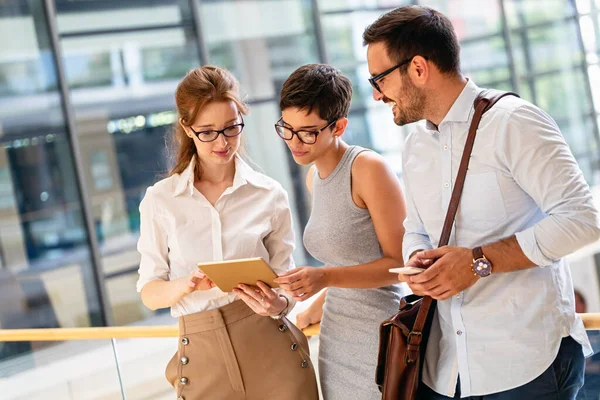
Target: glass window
[
  {"x": 485, "y": 60},
  {"x": 46, "y": 277},
  {"x": 331, "y": 6},
  {"x": 594, "y": 77},
  {"x": 467, "y": 17},
  {"x": 343, "y": 36},
  {"x": 261, "y": 42},
  {"x": 549, "y": 48},
  {"x": 123, "y": 63},
  {"x": 563, "y": 94},
  {"x": 529, "y": 12}
]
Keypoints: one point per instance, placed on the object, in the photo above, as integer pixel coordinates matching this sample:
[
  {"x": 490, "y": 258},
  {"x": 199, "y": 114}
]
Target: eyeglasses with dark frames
[
  {"x": 212, "y": 135},
  {"x": 306, "y": 137},
  {"x": 373, "y": 80}
]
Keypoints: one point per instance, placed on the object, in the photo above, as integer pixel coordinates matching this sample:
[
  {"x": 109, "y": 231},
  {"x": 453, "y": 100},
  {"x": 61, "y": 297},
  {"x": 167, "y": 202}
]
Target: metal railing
[
  {"x": 591, "y": 321},
  {"x": 119, "y": 332}
]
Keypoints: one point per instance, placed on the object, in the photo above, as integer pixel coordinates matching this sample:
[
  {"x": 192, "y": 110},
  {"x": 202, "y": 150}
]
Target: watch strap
[{"x": 477, "y": 253}]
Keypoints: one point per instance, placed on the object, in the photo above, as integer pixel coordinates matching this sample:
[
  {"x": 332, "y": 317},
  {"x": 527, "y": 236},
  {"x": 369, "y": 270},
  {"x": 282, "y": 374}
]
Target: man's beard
[{"x": 413, "y": 105}]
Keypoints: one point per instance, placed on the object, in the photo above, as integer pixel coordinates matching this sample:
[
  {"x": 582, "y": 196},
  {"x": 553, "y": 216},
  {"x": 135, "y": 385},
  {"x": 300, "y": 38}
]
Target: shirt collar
[
  {"x": 462, "y": 108},
  {"x": 243, "y": 174}
]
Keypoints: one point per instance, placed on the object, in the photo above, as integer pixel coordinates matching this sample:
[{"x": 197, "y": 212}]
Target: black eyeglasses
[
  {"x": 373, "y": 80},
  {"x": 306, "y": 137},
  {"x": 229, "y": 132}
]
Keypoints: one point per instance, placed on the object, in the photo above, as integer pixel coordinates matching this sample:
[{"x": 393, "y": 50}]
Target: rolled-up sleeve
[
  {"x": 280, "y": 243},
  {"x": 152, "y": 244},
  {"x": 542, "y": 164}
]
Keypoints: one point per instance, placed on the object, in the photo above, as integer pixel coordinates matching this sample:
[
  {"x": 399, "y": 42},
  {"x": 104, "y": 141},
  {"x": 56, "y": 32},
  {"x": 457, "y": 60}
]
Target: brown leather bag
[{"x": 403, "y": 337}]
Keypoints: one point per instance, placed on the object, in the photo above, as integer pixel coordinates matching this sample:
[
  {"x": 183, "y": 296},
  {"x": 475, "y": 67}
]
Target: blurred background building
[{"x": 86, "y": 100}]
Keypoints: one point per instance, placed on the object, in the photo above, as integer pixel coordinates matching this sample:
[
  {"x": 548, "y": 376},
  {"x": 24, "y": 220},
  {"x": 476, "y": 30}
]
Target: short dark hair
[
  {"x": 317, "y": 87},
  {"x": 417, "y": 31}
]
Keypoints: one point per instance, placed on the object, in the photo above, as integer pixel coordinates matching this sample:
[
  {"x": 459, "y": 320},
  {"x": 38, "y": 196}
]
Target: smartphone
[{"x": 407, "y": 270}]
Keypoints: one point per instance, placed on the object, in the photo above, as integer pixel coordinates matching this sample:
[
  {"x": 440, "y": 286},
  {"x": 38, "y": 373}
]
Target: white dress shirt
[
  {"x": 180, "y": 228},
  {"x": 506, "y": 330}
]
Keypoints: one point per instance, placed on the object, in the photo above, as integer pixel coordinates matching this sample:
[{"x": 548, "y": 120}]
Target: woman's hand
[
  {"x": 308, "y": 317},
  {"x": 261, "y": 299},
  {"x": 197, "y": 281},
  {"x": 303, "y": 282}
]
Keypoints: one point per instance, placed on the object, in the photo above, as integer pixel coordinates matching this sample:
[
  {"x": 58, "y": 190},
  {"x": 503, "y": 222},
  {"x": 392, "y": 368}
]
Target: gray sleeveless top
[{"x": 339, "y": 233}]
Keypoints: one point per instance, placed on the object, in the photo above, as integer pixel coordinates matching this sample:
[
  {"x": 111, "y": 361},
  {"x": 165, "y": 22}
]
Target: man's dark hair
[
  {"x": 416, "y": 31},
  {"x": 317, "y": 87}
]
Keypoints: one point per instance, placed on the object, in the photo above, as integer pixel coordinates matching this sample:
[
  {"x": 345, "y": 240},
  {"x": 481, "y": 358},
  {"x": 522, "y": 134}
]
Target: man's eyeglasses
[
  {"x": 229, "y": 132},
  {"x": 306, "y": 137},
  {"x": 373, "y": 80}
]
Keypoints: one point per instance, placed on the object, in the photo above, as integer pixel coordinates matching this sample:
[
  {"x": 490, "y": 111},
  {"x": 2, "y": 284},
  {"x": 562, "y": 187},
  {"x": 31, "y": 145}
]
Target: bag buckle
[
  {"x": 412, "y": 348},
  {"x": 418, "y": 337}
]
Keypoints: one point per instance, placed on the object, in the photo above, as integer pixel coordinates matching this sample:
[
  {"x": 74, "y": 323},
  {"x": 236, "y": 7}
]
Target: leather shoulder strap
[{"x": 484, "y": 101}]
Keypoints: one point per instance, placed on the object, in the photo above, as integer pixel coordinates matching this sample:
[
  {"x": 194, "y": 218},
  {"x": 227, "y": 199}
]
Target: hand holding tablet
[{"x": 227, "y": 275}]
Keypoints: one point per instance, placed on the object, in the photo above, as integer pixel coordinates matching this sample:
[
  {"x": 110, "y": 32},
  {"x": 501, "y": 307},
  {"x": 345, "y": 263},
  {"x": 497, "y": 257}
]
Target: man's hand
[
  {"x": 449, "y": 274},
  {"x": 303, "y": 282},
  {"x": 418, "y": 261}
]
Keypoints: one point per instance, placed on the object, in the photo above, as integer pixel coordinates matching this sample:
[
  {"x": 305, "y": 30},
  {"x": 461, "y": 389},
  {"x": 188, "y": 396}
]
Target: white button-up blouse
[{"x": 180, "y": 228}]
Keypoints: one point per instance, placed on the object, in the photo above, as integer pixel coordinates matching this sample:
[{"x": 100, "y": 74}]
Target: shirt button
[
  {"x": 445, "y": 148},
  {"x": 446, "y": 185},
  {"x": 459, "y": 333}
]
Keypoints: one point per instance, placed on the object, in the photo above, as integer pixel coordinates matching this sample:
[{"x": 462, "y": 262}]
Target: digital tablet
[{"x": 229, "y": 274}]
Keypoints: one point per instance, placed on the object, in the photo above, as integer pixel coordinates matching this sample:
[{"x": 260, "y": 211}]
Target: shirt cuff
[
  {"x": 290, "y": 304},
  {"x": 530, "y": 248},
  {"x": 413, "y": 246}
]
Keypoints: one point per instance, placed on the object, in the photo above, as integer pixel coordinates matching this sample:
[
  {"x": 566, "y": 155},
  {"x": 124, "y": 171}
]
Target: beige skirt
[{"x": 233, "y": 353}]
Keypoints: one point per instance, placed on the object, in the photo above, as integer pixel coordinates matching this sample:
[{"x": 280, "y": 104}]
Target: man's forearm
[{"x": 507, "y": 256}]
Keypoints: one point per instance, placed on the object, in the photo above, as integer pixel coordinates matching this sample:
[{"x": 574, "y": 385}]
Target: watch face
[{"x": 482, "y": 267}]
